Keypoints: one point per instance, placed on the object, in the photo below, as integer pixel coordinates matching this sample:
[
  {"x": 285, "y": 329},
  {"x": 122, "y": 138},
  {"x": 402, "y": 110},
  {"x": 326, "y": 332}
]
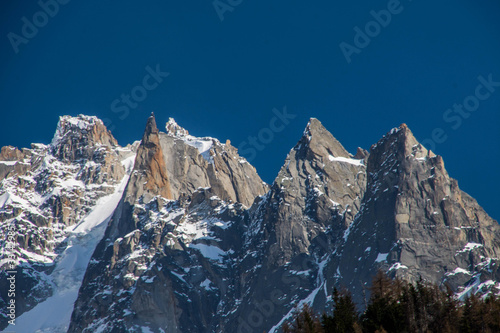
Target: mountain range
[{"x": 177, "y": 233}]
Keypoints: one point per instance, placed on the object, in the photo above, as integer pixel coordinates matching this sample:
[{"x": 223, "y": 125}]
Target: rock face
[
  {"x": 194, "y": 162},
  {"x": 151, "y": 162},
  {"x": 295, "y": 229},
  {"x": 416, "y": 223},
  {"x": 207, "y": 260},
  {"x": 170, "y": 254},
  {"x": 318, "y": 189},
  {"x": 47, "y": 189},
  {"x": 198, "y": 243},
  {"x": 76, "y": 138}
]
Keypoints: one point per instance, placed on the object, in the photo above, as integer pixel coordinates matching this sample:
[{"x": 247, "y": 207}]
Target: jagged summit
[
  {"x": 416, "y": 223},
  {"x": 318, "y": 141},
  {"x": 150, "y": 136},
  {"x": 10, "y": 153},
  {"x": 151, "y": 177},
  {"x": 312, "y": 125},
  {"x": 56, "y": 200},
  {"x": 78, "y": 137},
  {"x": 404, "y": 136},
  {"x": 90, "y": 125},
  {"x": 397, "y": 145},
  {"x": 174, "y": 129},
  {"x": 198, "y": 243},
  {"x": 318, "y": 187},
  {"x": 151, "y": 127},
  {"x": 204, "y": 145}
]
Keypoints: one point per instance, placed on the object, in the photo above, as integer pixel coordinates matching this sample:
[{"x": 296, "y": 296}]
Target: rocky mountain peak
[
  {"x": 47, "y": 193},
  {"x": 319, "y": 187},
  {"x": 151, "y": 172},
  {"x": 150, "y": 136},
  {"x": 318, "y": 143},
  {"x": 416, "y": 223},
  {"x": 174, "y": 165},
  {"x": 198, "y": 243},
  {"x": 9, "y": 153},
  {"x": 313, "y": 126},
  {"x": 174, "y": 129},
  {"x": 78, "y": 137},
  {"x": 396, "y": 146}
]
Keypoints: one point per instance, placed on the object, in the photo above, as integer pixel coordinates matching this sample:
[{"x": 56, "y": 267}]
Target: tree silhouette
[{"x": 399, "y": 306}]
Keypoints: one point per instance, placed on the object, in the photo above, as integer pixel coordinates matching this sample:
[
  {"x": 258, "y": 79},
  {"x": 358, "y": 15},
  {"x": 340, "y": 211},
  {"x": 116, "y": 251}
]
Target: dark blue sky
[{"x": 227, "y": 76}]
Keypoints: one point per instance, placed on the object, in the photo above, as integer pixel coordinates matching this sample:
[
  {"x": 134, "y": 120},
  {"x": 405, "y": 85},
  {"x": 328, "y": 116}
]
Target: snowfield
[{"x": 54, "y": 314}]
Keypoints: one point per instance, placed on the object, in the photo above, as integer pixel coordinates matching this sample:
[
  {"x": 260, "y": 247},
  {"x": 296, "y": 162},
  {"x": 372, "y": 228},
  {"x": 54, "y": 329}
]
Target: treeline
[{"x": 398, "y": 306}]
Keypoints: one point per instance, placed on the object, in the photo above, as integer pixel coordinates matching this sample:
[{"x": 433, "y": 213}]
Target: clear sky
[{"x": 326, "y": 59}]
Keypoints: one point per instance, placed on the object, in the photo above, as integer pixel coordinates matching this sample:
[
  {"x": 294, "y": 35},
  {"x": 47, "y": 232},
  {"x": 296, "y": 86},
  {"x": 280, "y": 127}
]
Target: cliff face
[
  {"x": 318, "y": 190},
  {"x": 195, "y": 162},
  {"x": 45, "y": 192},
  {"x": 416, "y": 223},
  {"x": 184, "y": 239},
  {"x": 198, "y": 243},
  {"x": 207, "y": 260},
  {"x": 296, "y": 228}
]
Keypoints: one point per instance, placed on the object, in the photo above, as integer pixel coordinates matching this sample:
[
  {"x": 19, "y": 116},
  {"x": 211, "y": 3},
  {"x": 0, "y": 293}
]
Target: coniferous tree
[
  {"x": 446, "y": 311},
  {"x": 398, "y": 306},
  {"x": 345, "y": 316},
  {"x": 492, "y": 313},
  {"x": 472, "y": 318},
  {"x": 481, "y": 315},
  {"x": 384, "y": 311},
  {"x": 305, "y": 321}
]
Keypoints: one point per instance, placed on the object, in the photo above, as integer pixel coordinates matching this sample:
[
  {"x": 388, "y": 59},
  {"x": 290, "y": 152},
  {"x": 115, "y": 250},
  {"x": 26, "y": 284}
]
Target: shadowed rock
[{"x": 208, "y": 260}]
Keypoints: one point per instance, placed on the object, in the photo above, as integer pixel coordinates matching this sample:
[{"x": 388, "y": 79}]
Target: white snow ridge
[{"x": 54, "y": 314}]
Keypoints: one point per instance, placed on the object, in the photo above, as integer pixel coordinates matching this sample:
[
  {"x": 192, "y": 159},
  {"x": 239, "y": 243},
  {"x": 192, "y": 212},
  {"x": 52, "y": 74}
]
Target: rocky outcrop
[
  {"x": 77, "y": 138},
  {"x": 151, "y": 175},
  {"x": 174, "y": 165},
  {"x": 11, "y": 161},
  {"x": 194, "y": 162},
  {"x": 318, "y": 189},
  {"x": 59, "y": 183},
  {"x": 172, "y": 273},
  {"x": 164, "y": 234},
  {"x": 49, "y": 188},
  {"x": 198, "y": 243},
  {"x": 295, "y": 228},
  {"x": 416, "y": 223}
]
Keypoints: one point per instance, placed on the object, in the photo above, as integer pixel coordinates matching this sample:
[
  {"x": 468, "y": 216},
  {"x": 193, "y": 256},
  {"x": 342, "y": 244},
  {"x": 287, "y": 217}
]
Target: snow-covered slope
[
  {"x": 179, "y": 234},
  {"x": 46, "y": 195},
  {"x": 53, "y": 315},
  {"x": 197, "y": 262}
]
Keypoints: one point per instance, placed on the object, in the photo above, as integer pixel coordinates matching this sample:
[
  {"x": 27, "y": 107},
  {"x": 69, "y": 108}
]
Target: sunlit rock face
[
  {"x": 46, "y": 191},
  {"x": 180, "y": 234}
]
